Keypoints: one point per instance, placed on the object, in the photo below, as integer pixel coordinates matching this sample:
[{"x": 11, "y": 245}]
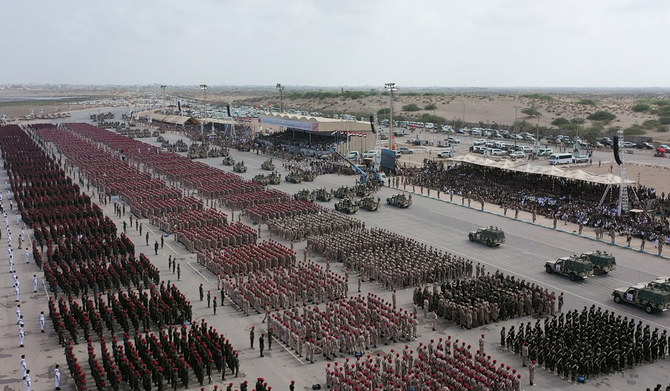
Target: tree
[{"x": 531, "y": 112}]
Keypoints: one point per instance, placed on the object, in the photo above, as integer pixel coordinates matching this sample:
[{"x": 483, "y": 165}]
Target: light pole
[
  {"x": 163, "y": 87},
  {"x": 391, "y": 89},
  {"x": 281, "y": 98},
  {"x": 204, "y": 97},
  {"x": 516, "y": 114}
]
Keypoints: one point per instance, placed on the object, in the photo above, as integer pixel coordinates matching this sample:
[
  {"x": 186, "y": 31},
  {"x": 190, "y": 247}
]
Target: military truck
[
  {"x": 305, "y": 195},
  {"x": 492, "y": 236},
  {"x": 363, "y": 189},
  {"x": 347, "y": 206},
  {"x": 400, "y": 200},
  {"x": 603, "y": 262},
  {"x": 651, "y": 298},
  {"x": 576, "y": 267},
  {"x": 240, "y": 167},
  {"x": 268, "y": 165},
  {"x": 293, "y": 177},
  {"x": 369, "y": 203},
  {"x": 323, "y": 195},
  {"x": 228, "y": 161}
]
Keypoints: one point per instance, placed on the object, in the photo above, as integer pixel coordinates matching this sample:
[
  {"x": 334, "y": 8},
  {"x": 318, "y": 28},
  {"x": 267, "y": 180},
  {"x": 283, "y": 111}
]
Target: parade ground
[{"x": 442, "y": 223}]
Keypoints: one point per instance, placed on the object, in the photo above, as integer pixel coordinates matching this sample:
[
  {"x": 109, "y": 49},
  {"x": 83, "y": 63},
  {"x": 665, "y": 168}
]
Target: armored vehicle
[
  {"x": 363, "y": 189},
  {"x": 262, "y": 179},
  {"x": 323, "y": 195},
  {"x": 344, "y": 191},
  {"x": 651, "y": 298},
  {"x": 268, "y": 165},
  {"x": 347, "y": 206},
  {"x": 228, "y": 161},
  {"x": 240, "y": 167},
  {"x": 400, "y": 200},
  {"x": 274, "y": 178},
  {"x": 576, "y": 267},
  {"x": 492, "y": 236},
  {"x": 308, "y": 176},
  {"x": 293, "y": 177},
  {"x": 603, "y": 262},
  {"x": 369, "y": 203},
  {"x": 305, "y": 195}
]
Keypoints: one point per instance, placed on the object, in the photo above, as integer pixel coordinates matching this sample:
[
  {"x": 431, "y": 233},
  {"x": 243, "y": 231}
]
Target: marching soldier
[{"x": 531, "y": 372}]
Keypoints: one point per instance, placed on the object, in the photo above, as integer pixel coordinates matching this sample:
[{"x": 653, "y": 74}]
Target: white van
[{"x": 560, "y": 158}]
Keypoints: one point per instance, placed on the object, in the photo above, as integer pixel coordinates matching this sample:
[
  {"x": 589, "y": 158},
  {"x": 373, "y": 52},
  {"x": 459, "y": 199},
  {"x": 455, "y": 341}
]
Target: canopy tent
[{"x": 607, "y": 179}]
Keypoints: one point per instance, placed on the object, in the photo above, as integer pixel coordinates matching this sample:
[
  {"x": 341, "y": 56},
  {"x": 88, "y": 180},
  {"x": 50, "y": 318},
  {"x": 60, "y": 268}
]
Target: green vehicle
[
  {"x": 577, "y": 267},
  {"x": 649, "y": 297},
  {"x": 344, "y": 191},
  {"x": 492, "y": 236},
  {"x": 603, "y": 262}
]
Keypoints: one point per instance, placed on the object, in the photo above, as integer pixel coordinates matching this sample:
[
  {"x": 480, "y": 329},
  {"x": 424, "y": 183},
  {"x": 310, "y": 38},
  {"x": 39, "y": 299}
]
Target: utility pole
[
  {"x": 281, "y": 97},
  {"x": 204, "y": 96},
  {"x": 163, "y": 87},
  {"x": 623, "y": 188},
  {"x": 391, "y": 89}
]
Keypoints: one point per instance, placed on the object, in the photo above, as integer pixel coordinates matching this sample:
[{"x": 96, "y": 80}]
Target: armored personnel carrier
[
  {"x": 492, "y": 236},
  {"x": 308, "y": 176},
  {"x": 400, "y": 200},
  {"x": 347, "y": 206},
  {"x": 228, "y": 161},
  {"x": 268, "y": 165},
  {"x": 240, "y": 167}
]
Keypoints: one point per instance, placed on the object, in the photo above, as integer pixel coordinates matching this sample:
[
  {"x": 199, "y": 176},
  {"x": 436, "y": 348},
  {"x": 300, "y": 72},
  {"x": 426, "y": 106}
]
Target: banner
[{"x": 289, "y": 123}]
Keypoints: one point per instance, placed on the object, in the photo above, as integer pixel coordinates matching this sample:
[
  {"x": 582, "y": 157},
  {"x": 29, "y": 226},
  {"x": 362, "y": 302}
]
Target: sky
[{"x": 337, "y": 43}]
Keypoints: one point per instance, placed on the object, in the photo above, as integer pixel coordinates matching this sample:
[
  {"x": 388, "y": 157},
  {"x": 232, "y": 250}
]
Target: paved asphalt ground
[{"x": 436, "y": 222}]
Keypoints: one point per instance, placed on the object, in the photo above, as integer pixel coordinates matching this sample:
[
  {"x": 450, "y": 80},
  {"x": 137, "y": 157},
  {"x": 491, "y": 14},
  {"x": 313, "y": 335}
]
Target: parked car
[
  {"x": 517, "y": 155},
  {"x": 453, "y": 140},
  {"x": 628, "y": 144},
  {"x": 479, "y": 141},
  {"x": 446, "y": 154},
  {"x": 405, "y": 150},
  {"x": 497, "y": 152},
  {"x": 371, "y": 154}
]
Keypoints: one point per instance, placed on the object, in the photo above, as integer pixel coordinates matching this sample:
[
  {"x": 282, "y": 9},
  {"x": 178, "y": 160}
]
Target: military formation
[
  {"x": 156, "y": 347},
  {"x": 485, "y": 299}
]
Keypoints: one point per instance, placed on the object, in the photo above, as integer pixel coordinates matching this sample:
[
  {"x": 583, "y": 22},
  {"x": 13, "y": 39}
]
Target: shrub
[
  {"x": 587, "y": 102},
  {"x": 411, "y": 107},
  {"x": 634, "y": 130},
  {"x": 538, "y": 96},
  {"x": 641, "y": 107},
  {"x": 602, "y": 116},
  {"x": 531, "y": 112},
  {"x": 430, "y": 107},
  {"x": 664, "y": 120},
  {"x": 560, "y": 121}
]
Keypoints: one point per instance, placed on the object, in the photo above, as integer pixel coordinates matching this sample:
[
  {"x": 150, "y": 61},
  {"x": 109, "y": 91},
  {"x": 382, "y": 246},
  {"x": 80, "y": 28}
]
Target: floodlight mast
[
  {"x": 280, "y": 87},
  {"x": 391, "y": 88}
]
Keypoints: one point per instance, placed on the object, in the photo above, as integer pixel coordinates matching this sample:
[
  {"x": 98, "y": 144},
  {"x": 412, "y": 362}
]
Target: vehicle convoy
[
  {"x": 369, "y": 203},
  {"x": 268, "y": 165},
  {"x": 647, "y": 296},
  {"x": 603, "y": 262},
  {"x": 400, "y": 200},
  {"x": 347, "y": 206},
  {"x": 576, "y": 267},
  {"x": 492, "y": 236},
  {"x": 240, "y": 167}
]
